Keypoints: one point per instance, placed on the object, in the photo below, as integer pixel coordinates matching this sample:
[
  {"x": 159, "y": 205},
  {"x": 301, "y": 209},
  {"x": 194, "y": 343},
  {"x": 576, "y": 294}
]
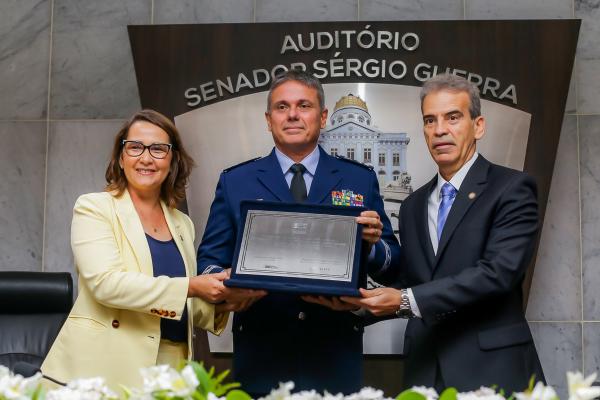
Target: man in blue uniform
[{"x": 314, "y": 341}]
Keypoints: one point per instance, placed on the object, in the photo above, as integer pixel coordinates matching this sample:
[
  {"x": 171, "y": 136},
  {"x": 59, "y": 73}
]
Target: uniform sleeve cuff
[{"x": 212, "y": 269}]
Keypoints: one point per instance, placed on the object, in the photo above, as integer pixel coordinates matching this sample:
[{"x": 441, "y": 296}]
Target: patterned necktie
[
  {"x": 298, "y": 186},
  {"x": 448, "y": 195}
]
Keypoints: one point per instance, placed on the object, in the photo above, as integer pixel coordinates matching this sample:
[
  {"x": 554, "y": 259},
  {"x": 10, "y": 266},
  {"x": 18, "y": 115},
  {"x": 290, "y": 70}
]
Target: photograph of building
[{"x": 351, "y": 133}]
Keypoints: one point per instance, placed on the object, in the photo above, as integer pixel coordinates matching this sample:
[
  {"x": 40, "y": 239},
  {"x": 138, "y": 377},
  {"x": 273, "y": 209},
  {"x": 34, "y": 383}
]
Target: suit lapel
[
  {"x": 134, "y": 231},
  {"x": 423, "y": 221},
  {"x": 272, "y": 178},
  {"x": 474, "y": 184},
  {"x": 325, "y": 180}
]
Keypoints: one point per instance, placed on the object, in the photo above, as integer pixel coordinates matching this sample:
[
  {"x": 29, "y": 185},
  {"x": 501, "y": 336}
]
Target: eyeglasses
[{"x": 134, "y": 148}]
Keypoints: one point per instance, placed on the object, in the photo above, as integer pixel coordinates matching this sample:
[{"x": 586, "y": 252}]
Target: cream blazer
[{"x": 114, "y": 327}]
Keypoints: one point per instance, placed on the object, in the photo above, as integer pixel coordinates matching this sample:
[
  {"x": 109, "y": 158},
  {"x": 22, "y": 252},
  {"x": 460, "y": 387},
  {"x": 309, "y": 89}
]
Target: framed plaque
[{"x": 299, "y": 248}]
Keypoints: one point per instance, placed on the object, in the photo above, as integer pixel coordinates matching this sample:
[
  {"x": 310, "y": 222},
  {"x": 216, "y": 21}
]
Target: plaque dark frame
[{"x": 293, "y": 285}]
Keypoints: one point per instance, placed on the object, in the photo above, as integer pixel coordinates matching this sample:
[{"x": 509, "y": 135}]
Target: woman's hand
[{"x": 209, "y": 287}]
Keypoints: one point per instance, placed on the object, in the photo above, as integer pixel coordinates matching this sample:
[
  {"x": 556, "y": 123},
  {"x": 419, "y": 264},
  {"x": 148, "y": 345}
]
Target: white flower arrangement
[
  {"x": 483, "y": 393},
  {"x": 428, "y": 393},
  {"x": 581, "y": 388},
  {"x": 539, "y": 392},
  {"x": 193, "y": 382},
  {"x": 15, "y": 387},
  {"x": 167, "y": 381},
  {"x": 83, "y": 389}
]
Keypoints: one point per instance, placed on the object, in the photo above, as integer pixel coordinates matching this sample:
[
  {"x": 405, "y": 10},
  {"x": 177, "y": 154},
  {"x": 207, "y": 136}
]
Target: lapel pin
[{"x": 472, "y": 195}]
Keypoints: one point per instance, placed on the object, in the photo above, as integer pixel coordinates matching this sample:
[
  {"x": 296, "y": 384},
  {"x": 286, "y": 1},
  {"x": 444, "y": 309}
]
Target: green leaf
[
  {"x": 410, "y": 395},
  {"x": 449, "y": 394},
  {"x": 38, "y": 393},
  {"x": 222, "y": 376},
  {"x": 220, "y": 390},
  {"x": 209, "y": 383},
  {"x": 238, "y": 395},
  {"x": 531, "y": 383},
  {"x": 205, "y": 385},
  {"x": 126, "y": 391},
  {"x": 161, "y": 394}
]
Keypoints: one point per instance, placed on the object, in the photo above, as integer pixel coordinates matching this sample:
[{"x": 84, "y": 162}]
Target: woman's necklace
[
  {"x": 153, "y": 218},
  {"x": 156, "y": 221}
]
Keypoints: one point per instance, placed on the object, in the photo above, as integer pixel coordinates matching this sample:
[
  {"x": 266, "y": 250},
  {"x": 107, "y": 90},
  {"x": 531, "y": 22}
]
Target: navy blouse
[{"x": 167, "y": 261}]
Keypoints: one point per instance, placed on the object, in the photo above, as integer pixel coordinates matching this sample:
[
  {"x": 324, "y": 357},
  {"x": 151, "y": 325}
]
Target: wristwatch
[{"x": 404, "y": 311}]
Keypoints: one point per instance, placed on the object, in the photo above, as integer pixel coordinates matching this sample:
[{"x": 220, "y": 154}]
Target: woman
[{"x": 134, "y": 251}]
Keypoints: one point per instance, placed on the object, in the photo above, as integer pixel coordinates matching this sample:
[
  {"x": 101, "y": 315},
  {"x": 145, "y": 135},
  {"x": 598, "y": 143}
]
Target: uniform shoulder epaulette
[
  {"x": 369, "y": 167},
  {"x": 240, "y": 164}
]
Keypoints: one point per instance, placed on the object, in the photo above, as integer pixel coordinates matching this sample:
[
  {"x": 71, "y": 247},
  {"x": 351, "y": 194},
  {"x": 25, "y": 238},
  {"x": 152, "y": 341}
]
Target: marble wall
[{"x": 67, "y": 82}]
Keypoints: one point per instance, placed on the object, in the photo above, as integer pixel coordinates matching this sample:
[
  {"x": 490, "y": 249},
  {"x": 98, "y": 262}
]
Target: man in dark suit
[
  {"x": 314, "y": 341},
  {"x": 466, "y": 238}
]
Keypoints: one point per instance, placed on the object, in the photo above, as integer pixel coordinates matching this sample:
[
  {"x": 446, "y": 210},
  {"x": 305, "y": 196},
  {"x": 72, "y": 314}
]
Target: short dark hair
[
  {"x": 453, "y": 83},
  {"x": 298, "y": 76},
  {"x": 173, "y": 188}
]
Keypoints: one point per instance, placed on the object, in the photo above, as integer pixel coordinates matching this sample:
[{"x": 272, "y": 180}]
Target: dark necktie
[
  {"x": 448, "y": 195},
  {"x": 298, "y": 186}
]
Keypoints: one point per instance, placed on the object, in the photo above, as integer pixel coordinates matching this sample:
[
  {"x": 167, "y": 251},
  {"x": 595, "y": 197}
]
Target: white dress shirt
[{"x": 310, "y": 162}]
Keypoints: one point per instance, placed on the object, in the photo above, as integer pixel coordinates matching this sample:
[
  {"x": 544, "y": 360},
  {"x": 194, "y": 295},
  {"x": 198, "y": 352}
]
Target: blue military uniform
[{"x": 281, "y": 337}]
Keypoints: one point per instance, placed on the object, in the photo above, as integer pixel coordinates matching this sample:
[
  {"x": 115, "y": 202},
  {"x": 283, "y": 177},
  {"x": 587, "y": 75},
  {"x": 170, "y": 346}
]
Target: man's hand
[
  {"x": 239, "y": 295},
  {"x": 331, "y": 302},
  {"x": 240, "y": 299},
  {"x": 372, "y": 226},
  {"x": 237, "y": 299},
  {"x": 379, "y": 301}
]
